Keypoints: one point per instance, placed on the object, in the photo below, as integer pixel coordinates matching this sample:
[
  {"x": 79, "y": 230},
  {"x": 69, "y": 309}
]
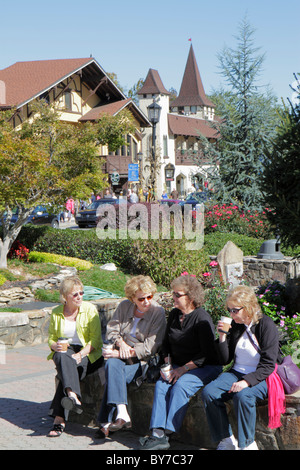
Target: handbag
[
  {"x": 150, "y": 370},
  {"x": 289, "y": 374}
]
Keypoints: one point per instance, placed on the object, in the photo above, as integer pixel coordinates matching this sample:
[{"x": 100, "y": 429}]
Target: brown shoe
[
  {"x": 102, "y": 433},
  {"x": 119, "y": 424}
]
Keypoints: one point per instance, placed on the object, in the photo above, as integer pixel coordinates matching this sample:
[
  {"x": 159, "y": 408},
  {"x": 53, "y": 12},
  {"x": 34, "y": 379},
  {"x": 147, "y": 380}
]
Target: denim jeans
[
  {"x": 171, "y": 401},
  {"x": 118, "y": 374},
  {"x": 215, "y": 395}
]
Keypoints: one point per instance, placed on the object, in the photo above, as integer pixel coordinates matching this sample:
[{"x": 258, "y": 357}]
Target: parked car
[
  {"x": 88, "y": 217},
  {"x": 196, "y": 198},
  {"x": 169, "y": 202},
  {"x": 41, "y": 215}
]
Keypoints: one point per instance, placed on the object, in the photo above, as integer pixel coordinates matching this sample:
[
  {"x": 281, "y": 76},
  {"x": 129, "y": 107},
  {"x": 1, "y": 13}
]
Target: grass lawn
[{"x": 111, "y": 281}]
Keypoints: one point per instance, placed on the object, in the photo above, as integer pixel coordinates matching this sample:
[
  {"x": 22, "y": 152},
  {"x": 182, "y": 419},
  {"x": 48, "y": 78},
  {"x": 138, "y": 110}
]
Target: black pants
[{"x": 69, "y": 374}]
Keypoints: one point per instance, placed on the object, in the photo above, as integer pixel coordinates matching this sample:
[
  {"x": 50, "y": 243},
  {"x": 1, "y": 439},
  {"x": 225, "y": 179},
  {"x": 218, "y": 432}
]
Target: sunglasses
[
  {"x": 177, "y": 295},
  {"x": 234, "y": 310},
  {"x": 78, "y": 293},
  {"x": 142, "y": 299}
]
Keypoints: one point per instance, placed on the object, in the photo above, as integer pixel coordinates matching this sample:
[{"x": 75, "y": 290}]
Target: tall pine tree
[
  {"x": 280, "y": 183},
  {"x": 246, "y": 123}
]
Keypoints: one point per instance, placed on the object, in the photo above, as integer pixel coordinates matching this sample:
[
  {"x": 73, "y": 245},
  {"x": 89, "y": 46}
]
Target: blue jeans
[
  {"x": 171, "y": 401},
  {"x": 215, "y": 395},
  {"x": 118, "y": 374}
]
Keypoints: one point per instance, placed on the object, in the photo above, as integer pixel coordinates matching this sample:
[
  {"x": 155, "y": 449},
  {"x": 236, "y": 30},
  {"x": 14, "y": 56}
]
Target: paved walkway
[{"x": 26, "y": 390}]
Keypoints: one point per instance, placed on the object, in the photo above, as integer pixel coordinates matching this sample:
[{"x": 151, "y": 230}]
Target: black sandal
[{"x": 58, "y": 428}]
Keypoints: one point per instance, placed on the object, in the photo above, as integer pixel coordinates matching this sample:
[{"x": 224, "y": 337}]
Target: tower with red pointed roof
[{"x": 178, "y": 131}]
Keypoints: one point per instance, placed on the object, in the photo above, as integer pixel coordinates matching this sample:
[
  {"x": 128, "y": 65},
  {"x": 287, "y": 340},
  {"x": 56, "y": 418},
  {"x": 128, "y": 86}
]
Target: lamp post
[{"x": 154, "y": 114}]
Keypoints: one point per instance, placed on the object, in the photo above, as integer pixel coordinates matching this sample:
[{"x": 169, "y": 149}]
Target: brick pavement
[{"x": 26, "y": 390}]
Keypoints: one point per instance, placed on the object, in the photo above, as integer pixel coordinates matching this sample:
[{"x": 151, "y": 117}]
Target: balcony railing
[{"x": 190, "y": 157}]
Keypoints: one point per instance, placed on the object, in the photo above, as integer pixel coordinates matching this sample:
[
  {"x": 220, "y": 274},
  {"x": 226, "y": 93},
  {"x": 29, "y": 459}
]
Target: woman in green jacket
[{"x": 77, "y": 322}]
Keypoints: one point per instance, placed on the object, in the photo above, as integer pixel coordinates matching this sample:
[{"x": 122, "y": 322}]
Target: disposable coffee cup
[
  {"x": 107, "y": 347},
  {"x": 64, "y": 342},
  {"x": 166, "y": 370},
  {"x": 226, "y": 324}
]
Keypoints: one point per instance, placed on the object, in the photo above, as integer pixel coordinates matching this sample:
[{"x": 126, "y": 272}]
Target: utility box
[{"x": 270, "y": 249}]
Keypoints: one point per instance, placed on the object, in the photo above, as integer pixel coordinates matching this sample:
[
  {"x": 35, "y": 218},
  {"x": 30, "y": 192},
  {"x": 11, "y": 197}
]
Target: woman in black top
[{"x": 189, "y": 346}]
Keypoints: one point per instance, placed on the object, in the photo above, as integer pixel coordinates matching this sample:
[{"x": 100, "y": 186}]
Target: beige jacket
[{"x": 150, "y": 329}]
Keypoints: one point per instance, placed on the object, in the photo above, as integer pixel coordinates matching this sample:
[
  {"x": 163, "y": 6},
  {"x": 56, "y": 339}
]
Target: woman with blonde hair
[
  {"x": 136, "y": 332},
  {"x": 252, "y": 343},
  {"x": 78, "y": 322}
]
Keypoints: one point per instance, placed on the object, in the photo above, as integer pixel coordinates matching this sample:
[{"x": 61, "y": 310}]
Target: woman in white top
[
  {"x": 253, "y": 345},
  {"x": 136, "y": 331}
]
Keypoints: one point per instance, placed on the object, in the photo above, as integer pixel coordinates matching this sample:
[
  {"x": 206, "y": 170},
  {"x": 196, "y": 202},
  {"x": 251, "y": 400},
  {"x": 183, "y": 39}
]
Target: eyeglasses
[
  {"x": 142, "y": 299},
  {"x": 234, "y": 310},
  {"x": 78, "y": 293},
  {"x": 177, "y": 295}
]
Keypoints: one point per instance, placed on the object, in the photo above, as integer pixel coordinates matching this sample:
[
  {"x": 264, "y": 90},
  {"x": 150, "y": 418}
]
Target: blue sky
[{"x": 129, "y": 37}]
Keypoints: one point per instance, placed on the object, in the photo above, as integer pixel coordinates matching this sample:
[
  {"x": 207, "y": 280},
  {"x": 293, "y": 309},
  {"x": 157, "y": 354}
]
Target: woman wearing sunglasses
[
  {"x": 252, "y": 343},
  {"x": 136, "y": 331},
  {"x": 189, "y": 345},
  {"x": 78, "y": 322}
]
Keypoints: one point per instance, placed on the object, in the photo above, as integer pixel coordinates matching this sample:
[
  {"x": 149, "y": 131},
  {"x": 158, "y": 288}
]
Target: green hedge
[{"x": 163, "y": 260}]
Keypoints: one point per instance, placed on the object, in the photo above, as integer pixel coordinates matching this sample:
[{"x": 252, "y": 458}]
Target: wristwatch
[{"x": 186, "y": 367}]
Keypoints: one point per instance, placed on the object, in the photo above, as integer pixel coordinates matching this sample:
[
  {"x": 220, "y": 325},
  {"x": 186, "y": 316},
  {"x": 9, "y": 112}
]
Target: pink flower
[
  {"x": 213, "y": 263},
  {"x": 184, "y": 273},
  {"x": 214, "y": 226},
  {"x": 206, "y": 274}
]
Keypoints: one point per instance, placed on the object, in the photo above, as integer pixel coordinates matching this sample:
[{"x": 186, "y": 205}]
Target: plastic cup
[
  {"x": 64, "y": 342},
  {"x": 226, "y": 323},
  {"x": 166, "y": 371}
]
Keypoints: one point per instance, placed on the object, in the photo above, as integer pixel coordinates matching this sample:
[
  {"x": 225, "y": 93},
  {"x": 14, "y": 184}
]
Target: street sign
[{"x": 133, "y": 172}]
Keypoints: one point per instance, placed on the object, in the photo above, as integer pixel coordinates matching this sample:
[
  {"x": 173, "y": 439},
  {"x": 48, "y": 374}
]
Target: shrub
[
  {"x": 19, "y": 251},
  {"x": 229, "y": 218},
  {"x": 164, "y": 260},
  {"x": 80, "y": 264}
]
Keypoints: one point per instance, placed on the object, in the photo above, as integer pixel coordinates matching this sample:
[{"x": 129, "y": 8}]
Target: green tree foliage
[
  {"x": 48, "y": 160},
  {"x": 246, "y": 123},
  {"x": 280, "y": 181}
]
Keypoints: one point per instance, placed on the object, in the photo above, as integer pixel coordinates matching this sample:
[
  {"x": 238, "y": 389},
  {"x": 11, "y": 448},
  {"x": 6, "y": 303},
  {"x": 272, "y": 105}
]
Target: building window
[
  {"x": 193, "y": 109},
  {"x": 68, "y": 100},
  {"x": 165, "y": 143}
]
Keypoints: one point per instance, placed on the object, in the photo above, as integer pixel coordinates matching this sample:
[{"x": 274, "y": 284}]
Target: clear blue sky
[{"x": 128, "y": 37}]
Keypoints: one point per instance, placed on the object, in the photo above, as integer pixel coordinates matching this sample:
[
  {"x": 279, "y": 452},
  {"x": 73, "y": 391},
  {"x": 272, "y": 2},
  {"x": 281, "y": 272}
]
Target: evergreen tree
[
  {"x": 280, "y": 182},
  {"x": 246, "y": 122}
]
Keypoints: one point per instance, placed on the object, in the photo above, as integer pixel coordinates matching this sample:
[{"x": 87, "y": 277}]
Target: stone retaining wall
[
  {"x": 259, "y": 271},
  {"x": 195, "y": 428}
]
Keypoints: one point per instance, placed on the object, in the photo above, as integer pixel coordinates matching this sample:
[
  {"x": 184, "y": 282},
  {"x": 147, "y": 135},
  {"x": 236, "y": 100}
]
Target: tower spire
[{"x": 192, "y": 91}]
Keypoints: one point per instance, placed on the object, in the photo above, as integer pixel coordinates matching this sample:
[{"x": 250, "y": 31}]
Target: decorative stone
[{"x": 230, "y": 260}]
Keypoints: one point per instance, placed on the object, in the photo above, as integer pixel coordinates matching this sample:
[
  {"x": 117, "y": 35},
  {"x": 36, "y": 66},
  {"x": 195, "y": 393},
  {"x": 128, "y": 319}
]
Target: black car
[
  {"x": 40, "y": 216},
  {"x": 88, "y": 217}
]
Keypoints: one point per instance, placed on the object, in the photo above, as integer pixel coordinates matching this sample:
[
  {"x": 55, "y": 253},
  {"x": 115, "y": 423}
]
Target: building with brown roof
[
  {"x": 82, "y": 91},
  {"x": 177, "y": 145}
]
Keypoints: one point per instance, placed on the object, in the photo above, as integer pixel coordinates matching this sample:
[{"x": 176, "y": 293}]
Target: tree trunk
[{"x": 4, "y": 249}]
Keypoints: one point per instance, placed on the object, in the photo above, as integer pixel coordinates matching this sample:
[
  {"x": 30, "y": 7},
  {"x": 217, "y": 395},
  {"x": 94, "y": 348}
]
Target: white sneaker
[
  {"x": 229, "y": 443},
  {"x": 252, "y": 446}
]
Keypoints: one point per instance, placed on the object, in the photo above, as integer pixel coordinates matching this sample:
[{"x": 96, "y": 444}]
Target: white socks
[{"x": 122, "y": 413}]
